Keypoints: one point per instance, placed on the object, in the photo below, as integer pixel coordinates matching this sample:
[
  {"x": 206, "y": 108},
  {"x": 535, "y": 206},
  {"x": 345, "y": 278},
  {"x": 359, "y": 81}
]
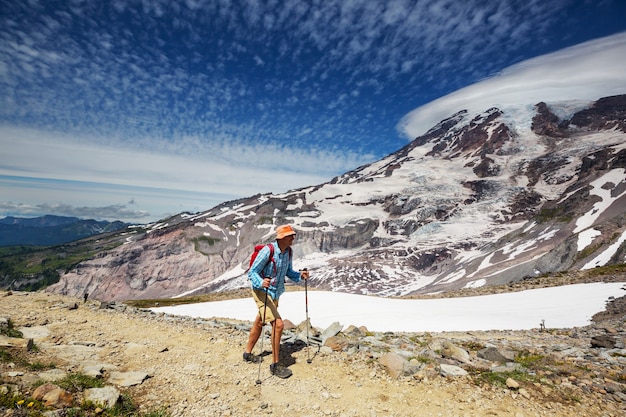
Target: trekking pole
[
  {"x": 258, "y": 381},
  {"x": 306, "y": 305}
]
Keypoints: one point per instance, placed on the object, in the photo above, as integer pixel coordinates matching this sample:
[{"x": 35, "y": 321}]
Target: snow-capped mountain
[{"x": 479, "y": 199}]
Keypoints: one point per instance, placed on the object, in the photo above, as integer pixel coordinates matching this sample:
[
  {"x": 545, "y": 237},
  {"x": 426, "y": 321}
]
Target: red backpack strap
[{"x": 271, "y": 258}]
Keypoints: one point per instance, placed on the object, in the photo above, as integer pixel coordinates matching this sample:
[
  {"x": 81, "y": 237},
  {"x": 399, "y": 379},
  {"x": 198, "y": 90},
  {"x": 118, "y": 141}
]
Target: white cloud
[
  {"x": 587, "y": 71},
  {"x": 38, "y": 166}
]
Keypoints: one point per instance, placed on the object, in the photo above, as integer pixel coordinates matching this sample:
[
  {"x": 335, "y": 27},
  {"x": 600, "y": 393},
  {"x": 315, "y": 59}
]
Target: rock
[
  {"x": 35, "y": 332},
  {"x": 511, "y": 383},
  {"x": 26, "y": 344},
  {"x": 83, "y": 343},
  {"x": 451, "y": 370},
  {"x": 492, "y": 354},
  {"x": 354, "y": 331},
  {"x": 288, "y": 324},
  {"x": 450, "y": 350},
  {"x": 524, "y": 393},
  {"x": 508, "y": 367},
  {"x": 128, "y": 379},
  {"x": 94, "y": 371},
  {"x": 396, "y": 366},
  {"x": 53, "y": 396},
  {"x": 337, "y": 343},
  {"x": 42, "y": 390},
  {"x": 106, "y": 397},
  {"x": 603, "y": 341},
  {"x": 330, "y": 331},
  {"x": 52, "y": 375}
]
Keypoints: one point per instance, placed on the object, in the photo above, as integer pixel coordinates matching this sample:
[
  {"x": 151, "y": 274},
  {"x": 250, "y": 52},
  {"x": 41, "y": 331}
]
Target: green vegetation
[
  {"x": 529, "y": 361},
  {"x": 31, "y": 268},
  {"x": 79, "y": 382},
  {"x": 10, "y": 330},
  {"x": 472, "y": 345},
  {"x": 265, "y": 220},
  {"x": 207, "y": 239},
  {"x": 533, "y": 369},
  {"x": 499, "y": 378},
  {"x": 587, "y": 251},
  {"x": 522, "y": 374},
  {"x": 606, "y": 270},
  {"x": 422, "y": 359},
  {"x": 23, "y": 404},
  {"x": 547, "y": 214},
  {"x": 201, "y": 241},
  {"x": 6, "y": 357}
]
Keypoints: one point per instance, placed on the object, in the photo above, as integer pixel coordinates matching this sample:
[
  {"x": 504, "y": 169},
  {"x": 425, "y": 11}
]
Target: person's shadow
[{"x": 289, "y": 348}]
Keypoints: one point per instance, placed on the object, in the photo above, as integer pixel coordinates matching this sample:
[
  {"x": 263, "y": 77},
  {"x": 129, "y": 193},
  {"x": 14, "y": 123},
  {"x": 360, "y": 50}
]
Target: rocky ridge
[{"x": 193, "y": 367}]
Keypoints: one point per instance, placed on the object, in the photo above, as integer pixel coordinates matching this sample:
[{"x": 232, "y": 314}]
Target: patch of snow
[
  {"x": 585, "y": 238},
  {"x": 606, "y": 255},
  {"x": 476, "y": 284},
  {"x": 559, "y": 307},
  {"x": 614, "y": 176}
]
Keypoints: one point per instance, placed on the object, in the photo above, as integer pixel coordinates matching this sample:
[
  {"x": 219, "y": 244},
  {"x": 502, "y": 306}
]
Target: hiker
[{"x": 267, "y": 279}]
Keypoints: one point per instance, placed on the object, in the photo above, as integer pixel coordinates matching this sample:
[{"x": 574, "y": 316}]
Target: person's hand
[
  {"x": 266, "y": 282},
  {"x": 304, "y": 274}
]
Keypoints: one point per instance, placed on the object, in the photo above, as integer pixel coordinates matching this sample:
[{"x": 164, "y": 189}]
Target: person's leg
[
  {"x": 264, "y": 307},
  {"x": 277, "y": 332},
  {"x": 255, "y": 332}
]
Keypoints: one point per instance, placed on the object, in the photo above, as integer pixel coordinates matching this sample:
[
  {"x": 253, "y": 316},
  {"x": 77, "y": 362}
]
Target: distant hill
[{"x": 51, "y": 230}]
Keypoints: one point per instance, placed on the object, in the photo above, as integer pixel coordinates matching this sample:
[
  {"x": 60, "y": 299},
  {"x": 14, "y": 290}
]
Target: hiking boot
[
  {"x": 249, "y": 357},
  {"x": 280, "y": 371}
]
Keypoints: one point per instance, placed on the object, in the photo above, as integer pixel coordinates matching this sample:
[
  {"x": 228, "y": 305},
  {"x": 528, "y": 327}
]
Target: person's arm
[
  {"x": 295, "y": 276},
  {"x": 256, "y": 270}
]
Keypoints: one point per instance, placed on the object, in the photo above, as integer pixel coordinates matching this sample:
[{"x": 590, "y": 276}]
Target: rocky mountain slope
[{"x": 480, "y": 199}]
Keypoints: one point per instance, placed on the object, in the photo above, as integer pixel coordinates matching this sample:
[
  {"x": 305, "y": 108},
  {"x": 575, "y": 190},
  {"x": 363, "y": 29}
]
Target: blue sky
[{"x": 134, "y": 110}]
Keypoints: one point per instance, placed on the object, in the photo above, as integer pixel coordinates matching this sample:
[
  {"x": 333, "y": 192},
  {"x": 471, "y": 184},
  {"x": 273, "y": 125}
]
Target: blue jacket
[{"x": 284, "y": 268}]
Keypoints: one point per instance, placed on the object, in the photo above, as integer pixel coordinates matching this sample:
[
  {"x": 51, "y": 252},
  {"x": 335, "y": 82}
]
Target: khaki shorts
[{"x": 271, "y": 312}]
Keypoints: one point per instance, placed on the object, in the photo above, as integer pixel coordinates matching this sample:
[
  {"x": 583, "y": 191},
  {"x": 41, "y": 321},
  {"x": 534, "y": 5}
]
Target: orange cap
[{"x": 284, "y": 231}]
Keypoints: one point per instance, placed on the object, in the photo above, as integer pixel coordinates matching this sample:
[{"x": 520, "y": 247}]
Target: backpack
[{"x": 256, "y": 251}]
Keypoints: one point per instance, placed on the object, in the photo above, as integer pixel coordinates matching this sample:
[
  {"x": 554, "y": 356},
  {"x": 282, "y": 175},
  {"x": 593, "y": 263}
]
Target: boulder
[
  {"x": 397, "y": 366},
  {"x": 106, "y": 397},
  {"x": 603, "y": 341},
  {"x": 452, "y": 351},
  {"x": 492, "y": 354},
  {"x": 53, "y": 396}
]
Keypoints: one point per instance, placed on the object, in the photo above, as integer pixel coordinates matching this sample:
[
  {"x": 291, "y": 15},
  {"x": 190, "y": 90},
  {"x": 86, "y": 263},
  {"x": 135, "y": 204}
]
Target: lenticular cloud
[{"x": 583, "y": 72}]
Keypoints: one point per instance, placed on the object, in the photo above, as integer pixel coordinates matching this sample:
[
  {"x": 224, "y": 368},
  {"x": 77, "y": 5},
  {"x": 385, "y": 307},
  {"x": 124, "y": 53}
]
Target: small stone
[
  {"x": 524, "y": 393},
  {"x": 511, "y": 383}
]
